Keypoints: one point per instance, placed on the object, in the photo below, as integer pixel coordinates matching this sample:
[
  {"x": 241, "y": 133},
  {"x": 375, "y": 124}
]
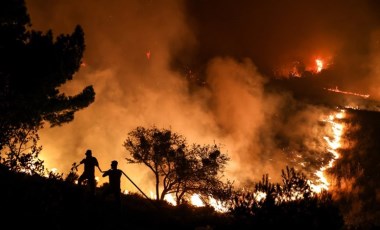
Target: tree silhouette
[
  {"x": 21, "y": 153},
  {"x": 181, "y": 169},
  {"x": 202, "y": 173},
  {"x": 295, "y": 185},
  {"x": 33, "y": 65}
]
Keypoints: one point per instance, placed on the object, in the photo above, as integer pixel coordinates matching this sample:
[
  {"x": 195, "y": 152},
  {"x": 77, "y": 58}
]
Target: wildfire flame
[
  {"x": 319, "y": 63},
  {"x": 334, "y": 144},
  {"x": 333, "y": 141},
  {"x": 170, "y": 199},
  {"x": 336, "y": 90},
  {"x": 196, "y": 200},
  {"x": 297, "y": 68}
]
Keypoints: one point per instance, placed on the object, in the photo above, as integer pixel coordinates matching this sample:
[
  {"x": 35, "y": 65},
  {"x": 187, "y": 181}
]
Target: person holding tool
[
  {"x": 114, "y": 176},
  {"x": 90, "y": 162}
]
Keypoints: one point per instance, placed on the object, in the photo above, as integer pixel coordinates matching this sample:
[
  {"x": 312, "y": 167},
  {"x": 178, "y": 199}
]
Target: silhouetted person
[
  {"x": 114, "y": 176},
  {"x": 88, "y": 174}
]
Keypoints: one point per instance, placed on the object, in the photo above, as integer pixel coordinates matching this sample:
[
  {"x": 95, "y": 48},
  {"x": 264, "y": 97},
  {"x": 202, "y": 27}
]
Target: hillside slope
[{"x": 42, "y": 203}]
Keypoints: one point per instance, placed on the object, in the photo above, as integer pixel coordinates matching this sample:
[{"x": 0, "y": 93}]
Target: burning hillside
[{"x": 235, "y": 53}]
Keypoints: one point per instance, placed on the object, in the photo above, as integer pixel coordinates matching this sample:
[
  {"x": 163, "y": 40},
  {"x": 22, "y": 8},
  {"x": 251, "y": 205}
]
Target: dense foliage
[
  {"x": 33, "y": 66},
  {"x": 182, "y": 169}
]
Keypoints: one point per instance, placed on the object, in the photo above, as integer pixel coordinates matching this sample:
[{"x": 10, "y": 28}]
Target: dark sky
[
  {"x": 233, "y": 46},
  {"x": 272, "y": 32}
]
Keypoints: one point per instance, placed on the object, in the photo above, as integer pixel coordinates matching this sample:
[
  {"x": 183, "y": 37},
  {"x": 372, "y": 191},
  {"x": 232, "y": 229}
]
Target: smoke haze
[
  {"x": 275, "y": 34},
  {"x": 236, "y": 45}
]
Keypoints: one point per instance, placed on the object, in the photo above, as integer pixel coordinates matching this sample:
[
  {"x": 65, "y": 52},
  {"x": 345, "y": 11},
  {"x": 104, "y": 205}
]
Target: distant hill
[{"x": 318, "y": 91}]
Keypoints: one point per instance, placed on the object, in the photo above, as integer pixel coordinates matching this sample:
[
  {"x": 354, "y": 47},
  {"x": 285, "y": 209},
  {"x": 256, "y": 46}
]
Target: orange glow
[
  {"x": 336, "y": 90},
  {"x": 196, "y": 201},
  {"x": 218, "y": 206},
  {"x": 319, "y": 64},
  {"x": 298, "y": 68},
  {"x": 83, "y": 64},
  {"x": 148, "y": 54},
  {"x": 334, "y": 145},
  {"x": 170, "y": 199}
]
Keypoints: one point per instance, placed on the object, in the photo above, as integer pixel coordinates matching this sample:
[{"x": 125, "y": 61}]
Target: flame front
[
  {"x": 336, "y": 90},
  {"x": 334, "y": 144}
]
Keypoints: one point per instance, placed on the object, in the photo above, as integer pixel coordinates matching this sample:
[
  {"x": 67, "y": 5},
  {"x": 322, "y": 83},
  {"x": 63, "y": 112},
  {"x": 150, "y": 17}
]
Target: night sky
[{"x": 230, "y": 49}]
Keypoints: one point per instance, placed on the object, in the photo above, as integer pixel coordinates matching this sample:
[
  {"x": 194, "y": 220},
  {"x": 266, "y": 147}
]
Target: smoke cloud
[{"x": 135, "y": 55}]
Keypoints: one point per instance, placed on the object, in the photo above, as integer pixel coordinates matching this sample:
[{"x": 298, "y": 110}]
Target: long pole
[{"x": 136, "y": 186}]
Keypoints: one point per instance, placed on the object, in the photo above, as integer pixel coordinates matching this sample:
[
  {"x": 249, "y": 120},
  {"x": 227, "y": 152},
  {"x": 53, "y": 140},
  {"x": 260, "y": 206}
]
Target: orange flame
[
  {"x": 319, "y": 63},
  {"x": 334, "y": 144},
  {"x": 336, "y": 90}
]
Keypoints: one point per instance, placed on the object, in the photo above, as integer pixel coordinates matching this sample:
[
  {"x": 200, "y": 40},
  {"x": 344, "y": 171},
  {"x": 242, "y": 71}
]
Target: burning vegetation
[
  {"x": 300, "y": 69},
  {"x": 299, "y": 119}
]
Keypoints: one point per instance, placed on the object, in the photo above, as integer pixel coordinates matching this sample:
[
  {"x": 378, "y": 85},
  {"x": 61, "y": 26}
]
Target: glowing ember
[
  {"x": 148, "y": 54},
  {"x": 96, "y": 179},
  {"x": 83, "y": 64}
]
